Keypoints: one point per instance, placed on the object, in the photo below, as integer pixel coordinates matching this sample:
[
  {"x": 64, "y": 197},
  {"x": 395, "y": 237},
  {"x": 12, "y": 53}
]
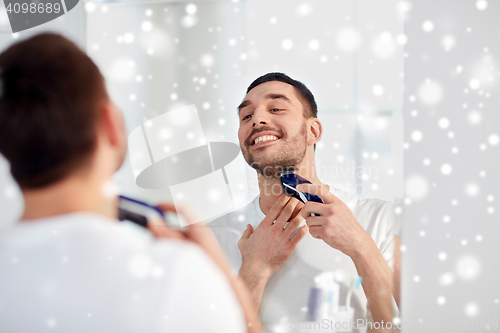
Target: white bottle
[
  {"x": 344, "y": 317},
  {"x": 323, "y": 298}
]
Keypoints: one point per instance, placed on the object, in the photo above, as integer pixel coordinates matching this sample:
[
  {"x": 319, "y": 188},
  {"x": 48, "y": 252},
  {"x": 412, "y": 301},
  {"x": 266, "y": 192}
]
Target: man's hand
[
  {"x": 265, "y": 250},
  {"x": 336, "y": 225},
  {"x": 268, "y": 247}
]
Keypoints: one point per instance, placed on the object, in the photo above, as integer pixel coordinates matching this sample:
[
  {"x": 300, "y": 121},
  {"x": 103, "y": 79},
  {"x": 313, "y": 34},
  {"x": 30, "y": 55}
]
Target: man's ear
[
  {"x": 112, "y": 125},
  {"x": 315, "y": 131},
  {"x": 112, "y": 130}
]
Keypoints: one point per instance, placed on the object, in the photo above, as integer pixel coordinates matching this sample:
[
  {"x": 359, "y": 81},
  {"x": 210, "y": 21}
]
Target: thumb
[{"x": 248, "y": 231}]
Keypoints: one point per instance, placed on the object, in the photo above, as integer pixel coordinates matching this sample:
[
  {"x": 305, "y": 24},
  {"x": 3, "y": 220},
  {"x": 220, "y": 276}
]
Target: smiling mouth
[{"x": 261, "y": 140}]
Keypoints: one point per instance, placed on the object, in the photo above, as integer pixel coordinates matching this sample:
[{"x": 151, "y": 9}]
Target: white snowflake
[
  {"x": 428, "y": 26},
  {"x": 146, "y": 26},
  {"x": 443, "y": 123},
  {"x": 90, "y": 7},
  {"x": 446, "y": 279},
  {"x": 474, "y": 84},
  {"x": 430, "y": 92},
  {"x": 472, "y": 189},
  {"x": 207, "y": 60},
  {"x": 287, "y": 44},
  {"x": 416, "y": 136},
  {"x": 304, "y": 9},
  {"x": 348, "y": 39},
  {"x": 442, "y": 256},
  {"x": 481, "y": 4},
  {"x": 128, "y": 38},
  {"x": 493, "y": 139},
  {"x": 377, "y": 90},
  {"x": 384, "y": 46},
  {"x": 471, "y": 309},
  {"x": 416, "y": 187},
  {"x": 191, "y": 9},
  {"x": 446, "y": 169},
  {"x": 401, "y": 39},
  {"x": 468, "y": 267},
  {"x": 448, "y": 42},
  {"x": 314, "y": 44}
]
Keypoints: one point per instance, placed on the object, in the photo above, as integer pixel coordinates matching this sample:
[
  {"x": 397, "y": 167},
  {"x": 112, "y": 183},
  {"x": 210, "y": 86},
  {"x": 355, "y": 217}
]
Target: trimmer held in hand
[
  {"x": 289, "y": 182},
  {"x": 138, "y": 212}
]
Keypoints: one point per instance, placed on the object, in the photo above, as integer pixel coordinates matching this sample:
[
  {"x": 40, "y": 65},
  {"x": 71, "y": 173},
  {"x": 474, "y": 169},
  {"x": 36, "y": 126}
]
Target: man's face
[{"x": 273, "y": 130}]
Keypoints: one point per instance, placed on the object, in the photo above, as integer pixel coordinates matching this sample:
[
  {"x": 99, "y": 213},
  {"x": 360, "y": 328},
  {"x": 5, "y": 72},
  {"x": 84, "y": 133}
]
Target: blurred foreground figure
[{"x": 68, "y": 264}]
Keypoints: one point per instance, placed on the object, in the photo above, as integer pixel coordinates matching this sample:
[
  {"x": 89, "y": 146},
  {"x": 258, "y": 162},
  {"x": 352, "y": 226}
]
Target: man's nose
[
  {"x": 259, "y": 117},
  {"x": 260, "y": 122}
]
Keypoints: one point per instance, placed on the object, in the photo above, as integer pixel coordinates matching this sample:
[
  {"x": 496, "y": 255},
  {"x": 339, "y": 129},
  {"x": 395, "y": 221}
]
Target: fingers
[
  {"x": 167, "y": 207},
  {"x": 160, "y": 230},
  {"x": 293, "y": 225},
  {"x": 315, "y": 221},
  {"x": 186, "y": 213},
  {"x": 314, "y": 207},
  {"x": 321, "y": 191},
  {"x": 248, "y": 232},
  {"x": 299, "y": 235},
  {"x": 197, "y": 231},
  {"x": 316, "y": 232},
  {"x": 276, "y": 209},
  {"x": 297, "y": 209},
  {"x": 286, "y": 213}
]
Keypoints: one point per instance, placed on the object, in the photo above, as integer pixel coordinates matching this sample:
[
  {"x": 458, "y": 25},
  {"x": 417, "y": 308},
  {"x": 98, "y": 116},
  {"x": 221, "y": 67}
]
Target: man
[
  {"x": 349, "y": 235},
  {"x": 68, "y": 264}
]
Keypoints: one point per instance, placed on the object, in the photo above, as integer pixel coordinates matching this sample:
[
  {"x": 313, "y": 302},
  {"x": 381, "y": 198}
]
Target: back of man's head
[{"x": 49, "y": 109}]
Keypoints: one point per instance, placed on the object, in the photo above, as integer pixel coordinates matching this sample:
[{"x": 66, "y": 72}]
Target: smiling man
[{"x": 276, "y": 253}]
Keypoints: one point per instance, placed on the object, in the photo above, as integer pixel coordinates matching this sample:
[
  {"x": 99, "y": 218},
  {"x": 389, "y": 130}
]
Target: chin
[{"x": 270, "y": 162}]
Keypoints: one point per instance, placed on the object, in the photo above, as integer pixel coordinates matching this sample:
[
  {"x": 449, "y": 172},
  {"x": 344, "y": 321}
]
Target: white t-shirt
[
  {"x": 287, "y": 291},
  {"x": 82, "y": 272}
]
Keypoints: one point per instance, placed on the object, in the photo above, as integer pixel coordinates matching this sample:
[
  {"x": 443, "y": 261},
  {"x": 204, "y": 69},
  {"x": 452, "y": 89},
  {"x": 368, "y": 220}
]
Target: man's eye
[
  {"x": 275, "y": 110},
  {"x": 246, "y": 117}
]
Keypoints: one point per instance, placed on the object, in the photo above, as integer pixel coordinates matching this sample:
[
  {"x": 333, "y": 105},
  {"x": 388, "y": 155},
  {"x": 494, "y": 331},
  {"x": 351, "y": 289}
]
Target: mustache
[{"x": 248, "y": 141}]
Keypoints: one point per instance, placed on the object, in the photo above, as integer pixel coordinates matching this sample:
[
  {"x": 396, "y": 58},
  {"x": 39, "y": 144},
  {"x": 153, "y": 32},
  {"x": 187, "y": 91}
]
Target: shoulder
[
  {"x": 194, "y": 276},
  {"x": 356, "y": 202},
  {"x": 370, "y": 212}
]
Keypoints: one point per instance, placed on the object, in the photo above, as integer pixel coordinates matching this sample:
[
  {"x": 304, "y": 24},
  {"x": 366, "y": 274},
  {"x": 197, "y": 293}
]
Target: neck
[
  {"x": 270, "y": 188},
  {"x": 76, "y": 193}
]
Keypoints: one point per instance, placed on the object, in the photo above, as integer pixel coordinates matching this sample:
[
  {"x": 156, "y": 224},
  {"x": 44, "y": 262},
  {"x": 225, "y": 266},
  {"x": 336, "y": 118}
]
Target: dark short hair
[
  {"x": 306, "y": 96},
  {"x": 49, "y": 97}
]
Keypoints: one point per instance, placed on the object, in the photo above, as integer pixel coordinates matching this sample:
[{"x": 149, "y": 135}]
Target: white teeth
[{"x": 265, "y": 138}]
